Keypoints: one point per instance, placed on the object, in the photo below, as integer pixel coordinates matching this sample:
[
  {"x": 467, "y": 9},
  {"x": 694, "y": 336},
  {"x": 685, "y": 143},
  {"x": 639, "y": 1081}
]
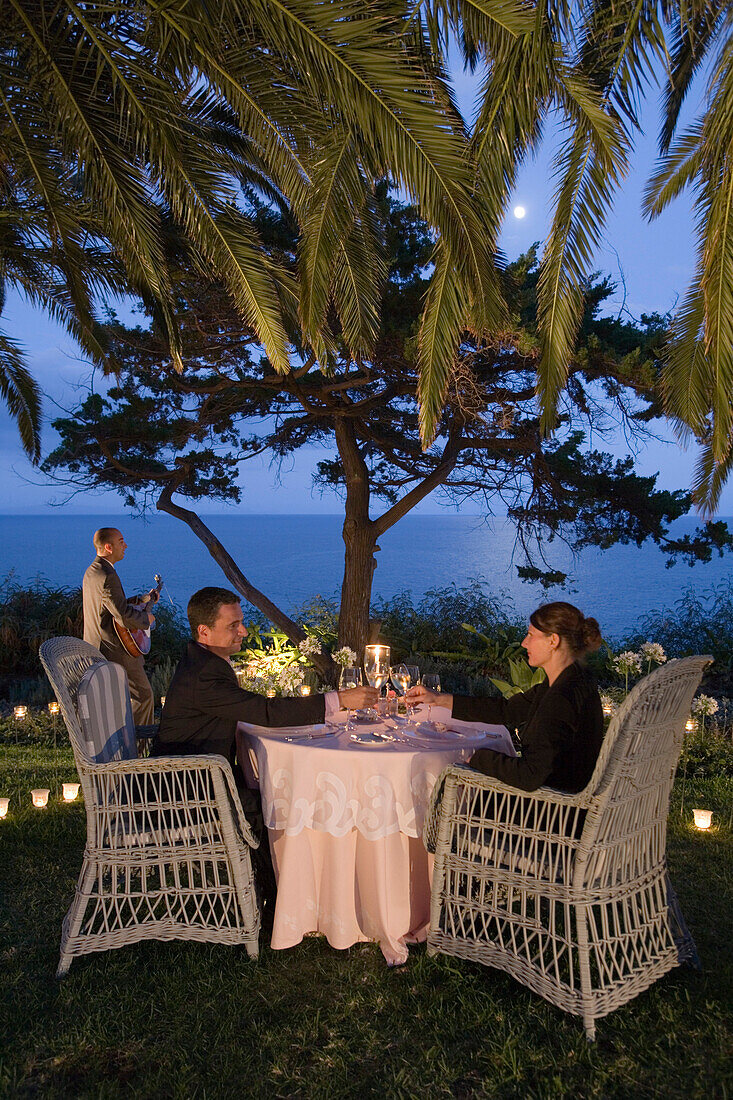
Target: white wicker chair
[
  {"x": 570, "y": 893},
  {"x": 167, "y": 852}
]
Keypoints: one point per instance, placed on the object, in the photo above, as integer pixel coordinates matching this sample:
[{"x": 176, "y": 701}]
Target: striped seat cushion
[{"x": 105, "y": 713}]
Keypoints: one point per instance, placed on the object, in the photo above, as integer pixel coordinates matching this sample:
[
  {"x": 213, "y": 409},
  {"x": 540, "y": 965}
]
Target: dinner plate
[
  {"x": 371, "y": 739},
  {"x": 427, "y": 732}
]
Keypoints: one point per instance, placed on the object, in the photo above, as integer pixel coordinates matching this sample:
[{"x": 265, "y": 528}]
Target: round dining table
[{"x": 344, "y": 811}]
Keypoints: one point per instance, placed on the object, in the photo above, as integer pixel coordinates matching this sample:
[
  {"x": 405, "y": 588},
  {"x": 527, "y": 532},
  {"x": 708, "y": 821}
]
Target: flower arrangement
[
  {"x": 271, "y": 665},
  {"x": 652, "y": 653},
  {"x": 626, "y": 664},
  {"x": 704, "y": 706},
  {"x": 632, "y": 664},
  {"x": 344, "y": 657}
]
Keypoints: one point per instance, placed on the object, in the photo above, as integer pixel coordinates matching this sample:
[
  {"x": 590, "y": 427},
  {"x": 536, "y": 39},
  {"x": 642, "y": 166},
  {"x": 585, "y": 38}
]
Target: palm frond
[{"x": 21, "y": 395}]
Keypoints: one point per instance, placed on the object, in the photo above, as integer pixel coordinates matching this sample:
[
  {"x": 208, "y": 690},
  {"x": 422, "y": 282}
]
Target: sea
[{"x": 293, "y": 558}]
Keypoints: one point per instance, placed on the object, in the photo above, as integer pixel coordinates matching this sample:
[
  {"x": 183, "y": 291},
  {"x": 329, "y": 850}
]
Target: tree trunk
[
  {"x": 360, "y": 538},
  {"x": 356, "y": 590}
]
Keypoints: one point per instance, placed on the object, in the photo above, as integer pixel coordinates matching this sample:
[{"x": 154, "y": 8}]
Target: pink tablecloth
[{"x": 345, "y": 826}]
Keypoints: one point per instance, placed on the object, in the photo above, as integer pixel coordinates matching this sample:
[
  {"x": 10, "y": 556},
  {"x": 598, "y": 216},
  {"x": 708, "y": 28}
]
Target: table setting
[{"x": 344, "y": 804}]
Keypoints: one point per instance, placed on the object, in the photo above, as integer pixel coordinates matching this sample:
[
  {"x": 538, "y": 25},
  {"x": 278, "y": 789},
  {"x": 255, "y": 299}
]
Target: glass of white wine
[
  {"x": 431, "y": 682},
  {"x": 351, "y": 677},
  {"x": 414, "y": 673},
  {"x": 400, "y": 678},
  {"x": 376, "y": 665}
]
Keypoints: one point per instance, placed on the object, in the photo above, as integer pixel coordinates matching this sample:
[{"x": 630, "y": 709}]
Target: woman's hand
[
  {"x": 420, "y": 694},
  {"x": 358, "y": 697}
]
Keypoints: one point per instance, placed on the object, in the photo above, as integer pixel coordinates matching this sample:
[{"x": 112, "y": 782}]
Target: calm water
[{"x": 292, "y": 558}]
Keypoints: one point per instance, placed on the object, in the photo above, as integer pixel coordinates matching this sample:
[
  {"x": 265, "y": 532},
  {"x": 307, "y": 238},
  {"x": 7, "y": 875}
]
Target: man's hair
[
  {"x": 203, "y": 607},
  {"x": 103, "y": 536}
]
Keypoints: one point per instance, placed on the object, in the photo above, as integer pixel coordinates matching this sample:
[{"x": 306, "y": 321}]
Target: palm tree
[
  {"x": 590, "y": 65},
  {"x": 118, "y": 118}
]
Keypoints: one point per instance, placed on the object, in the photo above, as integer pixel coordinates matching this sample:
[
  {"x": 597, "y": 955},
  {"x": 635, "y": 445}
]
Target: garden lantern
[
  {"x": 4, "y": 803},
  {"x": 20, "y": 712},
  {"x": 53, "y": 709},
  {"x": 70, "y": 791},
  {"x": 703, "y": 818},
  {"x": 39, "y": 797}
]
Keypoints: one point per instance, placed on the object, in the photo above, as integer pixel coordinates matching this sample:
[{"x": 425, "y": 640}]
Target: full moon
[{"x": 519, "y": 211}]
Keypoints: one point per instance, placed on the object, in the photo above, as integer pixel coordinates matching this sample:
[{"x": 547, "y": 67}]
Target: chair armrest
[
  {"x": 464, "y": 776},
  {"x": 207, "y": 762}
]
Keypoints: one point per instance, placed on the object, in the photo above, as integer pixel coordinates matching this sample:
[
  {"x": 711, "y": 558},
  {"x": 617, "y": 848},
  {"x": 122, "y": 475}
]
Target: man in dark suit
[
  {"x": 204, "y": 702},
  {"x": 104, "y": 602}
]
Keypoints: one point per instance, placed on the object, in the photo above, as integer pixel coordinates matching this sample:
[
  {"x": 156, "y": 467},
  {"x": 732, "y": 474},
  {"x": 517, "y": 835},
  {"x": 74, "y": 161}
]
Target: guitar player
[{"x": 104, "y": 601}]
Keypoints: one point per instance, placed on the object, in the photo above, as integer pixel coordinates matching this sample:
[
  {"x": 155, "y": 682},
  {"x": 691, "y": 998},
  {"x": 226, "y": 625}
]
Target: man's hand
[{"x": 358, "y": 697}]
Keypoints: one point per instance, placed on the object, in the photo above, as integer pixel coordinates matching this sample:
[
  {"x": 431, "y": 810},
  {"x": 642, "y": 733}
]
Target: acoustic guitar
[{"x": 137, "y": 642}]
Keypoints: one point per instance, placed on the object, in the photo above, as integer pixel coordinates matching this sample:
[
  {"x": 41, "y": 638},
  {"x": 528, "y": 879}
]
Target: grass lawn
[{"x": 190, "y": 1020}]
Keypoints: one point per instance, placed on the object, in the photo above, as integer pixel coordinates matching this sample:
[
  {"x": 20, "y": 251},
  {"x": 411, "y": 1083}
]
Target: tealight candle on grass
[
  {"x": 20, "y": 712},
  {"x": 40, "y": 797},
  {"x": 4, "y": 804},
  {"x": 703, "y": 818},
  {"x": 70, "y": 790}
]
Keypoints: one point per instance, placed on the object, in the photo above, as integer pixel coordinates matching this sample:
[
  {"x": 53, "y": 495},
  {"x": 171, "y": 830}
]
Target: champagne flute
[
  {"x": 350, "y": 678},
  {"x": 431, "y": 682}
]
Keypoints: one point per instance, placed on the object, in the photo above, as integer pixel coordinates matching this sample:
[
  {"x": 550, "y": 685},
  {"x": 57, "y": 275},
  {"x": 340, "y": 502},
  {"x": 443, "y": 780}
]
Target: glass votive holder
[
  {"x": 4, "y": 804},
  {"x": 20, "y": 712},
  {"x": 54, "y": 708},
  {"x": 703, "y": 818},
  {"x": 271, "y": 693},
  {"x": 39, "y": 797},
  {"x": 304, "y": 689},
  {"x": 690, "y": 725},
  {"x": 70, "y": 791}
]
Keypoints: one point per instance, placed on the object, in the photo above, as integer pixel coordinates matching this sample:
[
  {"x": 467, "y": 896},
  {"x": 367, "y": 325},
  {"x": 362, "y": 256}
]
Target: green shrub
[{"x": 707, "y": 756}]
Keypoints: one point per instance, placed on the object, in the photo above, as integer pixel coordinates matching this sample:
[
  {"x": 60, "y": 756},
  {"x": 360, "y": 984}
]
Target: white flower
[
  {"x": 653, "y": 651},
  {"x": 704, "y": 705},
  {"x": 309, "y": 647},
  {"x": 345, "y": 657},
  {"x": 626, "y": 663}
]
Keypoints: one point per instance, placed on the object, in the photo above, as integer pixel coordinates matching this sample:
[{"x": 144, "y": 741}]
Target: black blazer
[
  {"x": 560, "y": 730},
  {"x": 204, "y": 703}
]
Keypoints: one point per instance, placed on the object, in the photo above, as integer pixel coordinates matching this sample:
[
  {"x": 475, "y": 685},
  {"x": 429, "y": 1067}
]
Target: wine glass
[
  {"x": 431, "y": 682},
  {"x": 400, "y": 678},
  {"x": 351, "y": 677},
  {"x": 414, "y": 673},
  {"x": 376, "y": 665}
]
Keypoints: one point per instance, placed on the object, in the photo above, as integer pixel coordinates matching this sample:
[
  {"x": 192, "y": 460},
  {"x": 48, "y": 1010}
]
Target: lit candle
[
  {"x": 4, "y": 803},
  {"x": 703, "y": 818},
  {"x": 271, "y": 693},
  {"x": 71, "y": 790},
  {"x": 690, "y": 725},
  {"x": 20, "y": 712},
  {"x": 40, "y": 797},
  {"x": 54, "y": 708},
  {"x": 305, "y": 689},
  {"x": 162, "y": 700}
]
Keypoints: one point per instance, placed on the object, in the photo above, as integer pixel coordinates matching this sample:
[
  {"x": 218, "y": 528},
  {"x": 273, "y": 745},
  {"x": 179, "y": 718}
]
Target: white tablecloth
[{"x": 345, "y": 822}]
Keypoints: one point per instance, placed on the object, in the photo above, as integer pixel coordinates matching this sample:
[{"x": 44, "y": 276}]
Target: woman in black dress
[{"x": 559, "y": 722}]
